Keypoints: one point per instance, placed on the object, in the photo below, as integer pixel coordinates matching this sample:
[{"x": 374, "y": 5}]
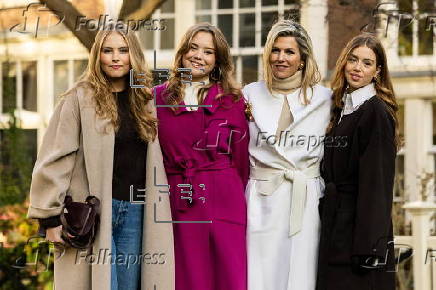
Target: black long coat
[{"x": 358, "y": 168}]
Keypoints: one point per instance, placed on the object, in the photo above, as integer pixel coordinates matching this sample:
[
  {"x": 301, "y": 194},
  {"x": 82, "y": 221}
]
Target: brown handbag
[{"x": 80, "y": 221}]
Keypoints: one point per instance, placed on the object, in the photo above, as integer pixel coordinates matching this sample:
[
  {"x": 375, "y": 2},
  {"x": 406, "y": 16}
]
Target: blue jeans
[{"x": 127, "y": 219}]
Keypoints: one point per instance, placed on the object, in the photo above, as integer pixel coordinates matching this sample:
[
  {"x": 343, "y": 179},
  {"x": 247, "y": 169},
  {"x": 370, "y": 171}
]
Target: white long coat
[{"x": 284, "y": 174}]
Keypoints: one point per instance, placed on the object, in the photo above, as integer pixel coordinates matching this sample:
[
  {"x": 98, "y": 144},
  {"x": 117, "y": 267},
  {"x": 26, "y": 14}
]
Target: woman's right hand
[{"x": 54, "y": 235}]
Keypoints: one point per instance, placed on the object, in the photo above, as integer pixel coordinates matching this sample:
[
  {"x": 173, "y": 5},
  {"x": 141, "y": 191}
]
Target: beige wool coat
[{"x": 76, "y": 157}]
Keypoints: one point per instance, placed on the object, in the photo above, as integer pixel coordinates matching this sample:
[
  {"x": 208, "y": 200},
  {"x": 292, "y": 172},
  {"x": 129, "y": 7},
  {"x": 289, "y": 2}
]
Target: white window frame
[
  {"x": 158, "y": 14},
  {"x": 415, "y": 35},
  {"x": 18, "y": 84},
  {"x": 28, "y": 119},
  {"x": 70, "y": 67}
]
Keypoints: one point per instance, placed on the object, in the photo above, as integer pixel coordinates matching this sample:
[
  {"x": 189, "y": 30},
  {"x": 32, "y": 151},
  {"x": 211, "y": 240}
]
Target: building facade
[{"x": 34, "y": 71}]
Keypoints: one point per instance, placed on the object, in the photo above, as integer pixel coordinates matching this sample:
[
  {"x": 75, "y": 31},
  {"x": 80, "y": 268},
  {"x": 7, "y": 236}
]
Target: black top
[
  {"x": 129, "y": 161},
  {"x": 356, "y": 225},
  {"x": 129, "y": 155}
]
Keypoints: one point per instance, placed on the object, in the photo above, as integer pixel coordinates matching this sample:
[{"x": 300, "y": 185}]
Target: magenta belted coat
[{"x": 205, "y": 155}]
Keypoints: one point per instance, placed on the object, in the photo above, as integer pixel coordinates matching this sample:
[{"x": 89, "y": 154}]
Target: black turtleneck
[{"x": 129, "y": 154}]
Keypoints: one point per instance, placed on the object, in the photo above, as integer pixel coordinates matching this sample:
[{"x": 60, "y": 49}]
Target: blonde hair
[
  {"x": 105, "y": 102},
  {"x": 222, "y": 72},
  {"x": 283, "y": 28},
  {"x": 382, "y": 84}
]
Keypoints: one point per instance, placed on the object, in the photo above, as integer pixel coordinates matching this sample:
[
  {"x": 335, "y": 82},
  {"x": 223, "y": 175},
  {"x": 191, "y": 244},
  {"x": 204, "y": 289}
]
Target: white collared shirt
[
  {"x": 191, "y": 93},
  {"x": 353, "y": 100}
]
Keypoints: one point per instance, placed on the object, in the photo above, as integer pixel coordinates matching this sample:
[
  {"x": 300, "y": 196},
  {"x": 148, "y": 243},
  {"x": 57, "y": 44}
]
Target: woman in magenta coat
[{"x": 203, "y": 134}]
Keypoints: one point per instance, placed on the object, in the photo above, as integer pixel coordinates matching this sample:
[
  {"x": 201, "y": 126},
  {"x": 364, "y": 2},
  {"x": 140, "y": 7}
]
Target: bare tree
[{"x": 130, "y": 10}]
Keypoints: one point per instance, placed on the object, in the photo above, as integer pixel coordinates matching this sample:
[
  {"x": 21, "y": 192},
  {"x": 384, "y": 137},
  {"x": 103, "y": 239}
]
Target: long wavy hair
[
  {"x": 382, "y": 83},
  {"x": 222, "y": 73},
  {"x": 105, "y": 102},
  {"x": 310, "y": 71}
]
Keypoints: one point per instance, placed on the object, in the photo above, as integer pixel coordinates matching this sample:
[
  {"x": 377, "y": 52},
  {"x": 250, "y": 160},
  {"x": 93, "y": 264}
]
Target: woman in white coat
[{"x": 290, "y": 114}]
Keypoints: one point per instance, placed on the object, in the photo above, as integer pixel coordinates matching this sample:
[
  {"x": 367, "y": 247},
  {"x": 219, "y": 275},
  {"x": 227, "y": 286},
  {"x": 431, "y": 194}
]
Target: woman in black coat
[{"x": 356, "y": 245}]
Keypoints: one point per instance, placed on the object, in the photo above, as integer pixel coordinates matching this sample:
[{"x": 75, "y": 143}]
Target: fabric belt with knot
[
  {"x": 271, "y": 178},
  {"x": 188, "y": 168}
]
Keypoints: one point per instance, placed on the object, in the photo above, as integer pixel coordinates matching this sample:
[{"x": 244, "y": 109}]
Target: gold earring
[{"x": 301, "y": 66}]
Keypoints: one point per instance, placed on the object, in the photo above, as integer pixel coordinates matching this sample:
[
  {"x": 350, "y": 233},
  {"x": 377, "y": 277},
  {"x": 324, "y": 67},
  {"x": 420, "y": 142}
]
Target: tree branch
[
  {"x": 129, "y": 7},
  {"x": 146, "y": 10},
  {"x": 64, "y": 9}
]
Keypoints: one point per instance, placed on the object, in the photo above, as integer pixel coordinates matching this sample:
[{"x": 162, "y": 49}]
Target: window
[
  {"x": 415, "y": 36},
  {"x": 29, "y": 85},
  {"x": 223, "y": 4},
  {"x": 203, "y": 18},
  {"x": 247, "y": 30},
  {"x": 268, "y": 19},
  {"x": 249, "y": 68},
  {"x": 9, "y": 86},
  {"x": 160, "y": 39},
  {"x": 167, "y": 35},
  {"x": 269, "y": 2},
  {"x": 167, "y": 7},
  {"x": 60, "y": 82},
  {"x": 246, "y": 3},
  {"x": 245, "y": 24},
  {"x": 65, "y": 73},
  {"x": 203, "y": 4},
  {"x": 19, "y": 86},
  {"x": 79, "y": 67},
  {"x": 225, "y": 23},
  {"x": 146, "y": 37}
]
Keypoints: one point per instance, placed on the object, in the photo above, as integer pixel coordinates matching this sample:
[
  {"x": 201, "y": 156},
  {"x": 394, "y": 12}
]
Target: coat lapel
[
  {"x": 158, "y": 229},
  {"x": 266, "y": 112},
  {"x": 98, "y": 146},
  {"x": 98, "y": 139}
]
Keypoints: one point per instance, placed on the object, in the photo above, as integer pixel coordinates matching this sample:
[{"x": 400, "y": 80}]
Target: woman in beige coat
[{"x": 102, "y": 141}]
